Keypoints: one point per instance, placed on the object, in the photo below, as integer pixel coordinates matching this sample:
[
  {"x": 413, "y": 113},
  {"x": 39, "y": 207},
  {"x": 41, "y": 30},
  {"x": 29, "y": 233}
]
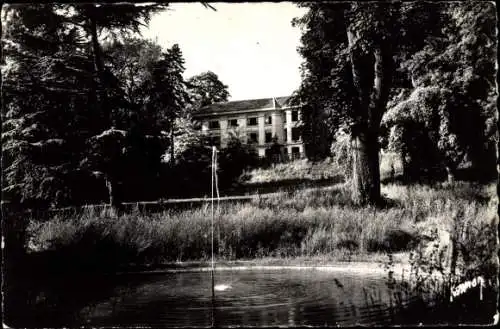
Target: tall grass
[
  {"x": 294, "y": 224},
  {"x": 294, "y": 170}
]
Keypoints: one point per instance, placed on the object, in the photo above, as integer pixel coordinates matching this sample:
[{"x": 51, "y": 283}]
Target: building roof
[{"x": 244, "y": 105}]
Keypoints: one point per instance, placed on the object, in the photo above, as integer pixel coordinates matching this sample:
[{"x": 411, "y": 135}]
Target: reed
[{"x": 294, "y": 224}]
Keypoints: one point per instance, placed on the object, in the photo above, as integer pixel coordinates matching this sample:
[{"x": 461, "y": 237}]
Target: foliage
[
  {"x": 46, "y": 91},
  {"x": 452, "y": 92},
  {"x": 168, "y": 92},
  {"x": 442, "y": 119},
  {"x": 191, "y": 173},
  {"x": 458, "y": 249},
  {"x": 341, "y": 151},
  {"x": 65, "y": 89},
  {"x": 193, "y": 166},
  {"x": 130, "y": 61},
  {"x": 234, "y": 159},
  {"x": 352, "y": 52},
  {"x": 186, "y": 136},
  {"x": 205, "y": 89},
  {"x": 299, "y": 170}
]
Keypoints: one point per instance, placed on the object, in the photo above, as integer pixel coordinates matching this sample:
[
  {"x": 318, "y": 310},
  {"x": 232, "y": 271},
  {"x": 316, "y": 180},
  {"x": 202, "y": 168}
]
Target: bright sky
[{"x": 252, "y": 47}]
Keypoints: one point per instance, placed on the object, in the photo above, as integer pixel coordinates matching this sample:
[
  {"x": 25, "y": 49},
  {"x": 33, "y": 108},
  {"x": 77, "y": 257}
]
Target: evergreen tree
[{"x": 46, "y": 95}]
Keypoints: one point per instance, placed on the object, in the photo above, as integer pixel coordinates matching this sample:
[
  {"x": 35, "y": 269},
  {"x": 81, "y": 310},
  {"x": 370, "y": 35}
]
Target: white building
[{"x": 259, "y": 122}]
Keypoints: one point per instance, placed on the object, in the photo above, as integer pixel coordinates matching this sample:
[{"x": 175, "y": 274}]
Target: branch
[{"x": 207, "y": 5}]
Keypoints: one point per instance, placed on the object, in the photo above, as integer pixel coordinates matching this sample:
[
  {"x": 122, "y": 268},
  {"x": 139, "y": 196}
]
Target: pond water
[{"x": 283, "y": 297}]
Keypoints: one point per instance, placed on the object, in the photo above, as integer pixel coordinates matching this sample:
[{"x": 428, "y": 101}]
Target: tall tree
[
  {"x": 205, "y": 89},
  {"x": 46, "y": 92},
  {"x": 168, "y": 96},
  {"x": 96, "y": 19},
  {"x": 357, "y": 45},
  {"x": 130, "y": 61}
]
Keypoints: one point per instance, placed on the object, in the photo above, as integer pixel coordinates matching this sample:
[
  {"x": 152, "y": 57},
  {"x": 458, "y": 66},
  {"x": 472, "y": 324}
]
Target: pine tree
[{"x": 46, "y": 92}]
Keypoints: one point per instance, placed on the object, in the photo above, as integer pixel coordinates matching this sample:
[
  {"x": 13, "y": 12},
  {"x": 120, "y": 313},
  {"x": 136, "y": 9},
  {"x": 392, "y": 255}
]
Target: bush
[
  {"x": 233, "y": 160},
  {"x": 191, "y": 174}
]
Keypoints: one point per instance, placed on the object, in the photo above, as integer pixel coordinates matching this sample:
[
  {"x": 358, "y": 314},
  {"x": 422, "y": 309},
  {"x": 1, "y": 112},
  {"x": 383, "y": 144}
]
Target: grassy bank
[
  {"x": 314, "y": 224},
  {"x": 293, "y": 171}
]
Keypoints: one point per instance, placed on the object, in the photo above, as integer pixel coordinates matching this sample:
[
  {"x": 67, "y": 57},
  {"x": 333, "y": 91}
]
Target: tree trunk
[
  {"x": 99, "y": 68},
  {"x": 406, "y": 167},
  {"x": 366, "y": 168},
  {"x": 451, "y": 175},
  {"x": 113, "y": 194},
  {"x": 371, "y": 76}
]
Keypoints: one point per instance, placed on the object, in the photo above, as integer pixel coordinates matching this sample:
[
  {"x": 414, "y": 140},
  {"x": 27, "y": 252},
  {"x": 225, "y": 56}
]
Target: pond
[{"x": 250, "y": 297}]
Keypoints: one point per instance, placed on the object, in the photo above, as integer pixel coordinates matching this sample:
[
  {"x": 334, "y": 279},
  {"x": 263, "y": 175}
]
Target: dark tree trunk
[
  {"x": 450, "y": 175},
  {"x": 406, "y": 167},
  {"x": 372, "y": 76},
  {"x": 113, "y": 194},
  {"x": 102, "y": 105},
  {"x": 366, "y": 168},
  {"x": 99, "y": 69}
]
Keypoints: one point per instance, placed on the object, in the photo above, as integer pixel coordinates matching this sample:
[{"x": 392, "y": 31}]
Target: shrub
[{"x": 233, "y": 160}]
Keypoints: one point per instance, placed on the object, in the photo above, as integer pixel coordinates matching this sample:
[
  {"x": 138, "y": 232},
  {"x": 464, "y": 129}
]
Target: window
[
  {"x": 295, "y": 134},
  {"x": 232, "y": 123},
  {"x": 285, "y": 135},
  {"x": 295, "y": 115},
  {"x": 252, "y": 121},
  {"x": 269, "y": 137},
  {"x": 252, "y": 138},
  {"x": 214, "y": 124},
  {"x": 295, "y": 152},
  {"x": 269, "y": 120}
]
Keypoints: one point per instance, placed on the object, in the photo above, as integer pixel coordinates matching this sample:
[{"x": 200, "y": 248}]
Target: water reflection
[{"x": 255, "y": 298}]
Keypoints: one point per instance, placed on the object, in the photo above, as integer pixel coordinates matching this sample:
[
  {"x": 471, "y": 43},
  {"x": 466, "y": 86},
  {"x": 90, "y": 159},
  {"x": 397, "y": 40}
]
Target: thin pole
[
  {"x": 213, "y": 264},
  {"x": 218, "y": 203},
  {"x": 213, "y": 300},
  {"x": 213, "y": 176}
]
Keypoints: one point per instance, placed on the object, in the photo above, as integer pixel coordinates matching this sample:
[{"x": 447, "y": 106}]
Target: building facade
[{"x": 262, "y": 123}]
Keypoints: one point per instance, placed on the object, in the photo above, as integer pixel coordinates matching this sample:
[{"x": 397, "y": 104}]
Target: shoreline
[{"x": 358, "y": 265}]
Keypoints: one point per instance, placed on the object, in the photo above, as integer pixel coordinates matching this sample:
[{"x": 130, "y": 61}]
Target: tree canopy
[
  {"x": 205, "y": 89},
  {"x": 362, "y": 58}
]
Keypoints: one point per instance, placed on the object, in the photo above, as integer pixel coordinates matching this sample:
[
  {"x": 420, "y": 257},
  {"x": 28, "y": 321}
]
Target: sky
[{"x": 252, "y": 47}]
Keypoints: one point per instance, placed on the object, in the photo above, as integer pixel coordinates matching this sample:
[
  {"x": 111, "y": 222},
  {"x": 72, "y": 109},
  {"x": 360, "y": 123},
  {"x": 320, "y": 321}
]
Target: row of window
[
  {"x": 295, "y": 151},
  {"x": 214, "y": 124},
  {"x": 252, "y": 137}
]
